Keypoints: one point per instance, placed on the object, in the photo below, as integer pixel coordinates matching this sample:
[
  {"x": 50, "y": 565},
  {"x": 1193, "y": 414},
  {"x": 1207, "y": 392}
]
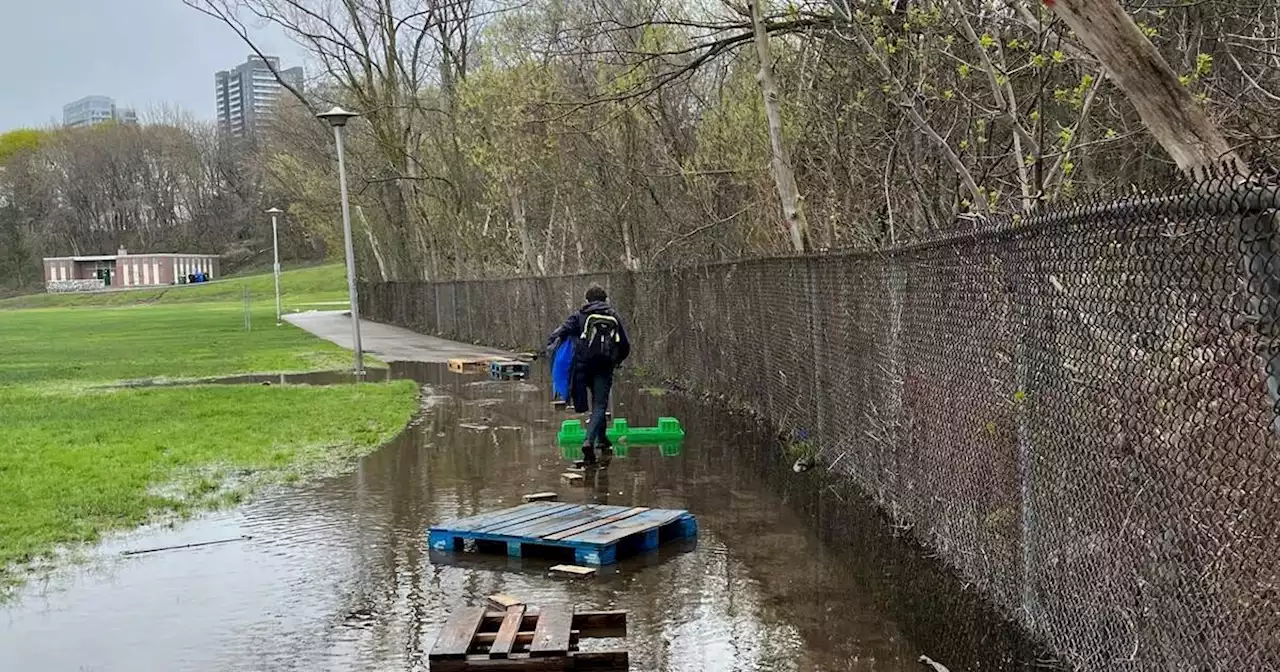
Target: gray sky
[{"x": 143, "y": 53}]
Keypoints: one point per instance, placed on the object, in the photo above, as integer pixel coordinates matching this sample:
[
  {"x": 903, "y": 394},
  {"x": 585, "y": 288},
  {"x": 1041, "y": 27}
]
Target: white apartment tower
[
  {"x": 248, "y": 93},
  {"x": 92, "y": 110}
]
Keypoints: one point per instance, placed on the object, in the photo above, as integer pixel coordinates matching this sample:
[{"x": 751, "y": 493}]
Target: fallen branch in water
[
  {"x": 935, "y": 665},
  {"x": 196, "y": 544}
]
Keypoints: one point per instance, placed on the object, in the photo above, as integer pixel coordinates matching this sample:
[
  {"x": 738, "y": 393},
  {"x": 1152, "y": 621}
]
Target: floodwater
[{"x": 786, "y": 574}]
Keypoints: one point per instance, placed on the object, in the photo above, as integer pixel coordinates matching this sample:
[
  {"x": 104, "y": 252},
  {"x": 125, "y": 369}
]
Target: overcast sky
[{"x": 143, "y": 53}]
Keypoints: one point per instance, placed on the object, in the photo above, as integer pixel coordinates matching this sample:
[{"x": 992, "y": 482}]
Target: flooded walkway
[
  {"x": 337, "y": 576},
  {"x": 387, "y": 342}
]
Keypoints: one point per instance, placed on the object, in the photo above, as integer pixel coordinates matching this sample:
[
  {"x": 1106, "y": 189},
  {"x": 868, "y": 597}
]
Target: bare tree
[
  {"x": 1168, "y": 109},
  {"x": 783, "y": 174}
]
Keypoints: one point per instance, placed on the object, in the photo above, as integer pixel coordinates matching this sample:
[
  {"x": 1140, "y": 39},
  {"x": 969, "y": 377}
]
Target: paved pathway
[{"x": 388, "y": 343}]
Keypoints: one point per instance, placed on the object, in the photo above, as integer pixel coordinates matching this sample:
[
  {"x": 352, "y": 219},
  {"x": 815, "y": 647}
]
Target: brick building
[{"x": 94, "y": 272}]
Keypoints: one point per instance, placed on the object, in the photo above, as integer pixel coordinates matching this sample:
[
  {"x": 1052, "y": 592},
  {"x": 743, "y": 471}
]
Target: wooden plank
[
  {"x": 571, "y": 477},
  {"x": 616, "y": 531},
  {"x": 556, "y": 526},
  {"x": 588, "y": 623},
  {"x": 599, "y": 661},
  {"x": 517, "y": 663},
  {"x": 504, "y": 528},
  {"x": 574, "y": 569},
  {"x": 576, "y": 512},
  {"x": 541, "y": 497},
  {"x": 536, "y": 529},
  {"x": 506, "y": 639},
  {"x": 533, "y": 510},
  {"x": 551, "y": 634},
  {"x": 503, "y": 601},
  {"x": 565, "y": 534},
  {"x": 522, "y": 639},
  {"x": 468, "y": 365},
  {"x": 525, "y": 512},
  {"x": 480, "y": 518},
  {"x": 525, "y": 637},
  {"x": 492, "y": 517},
  {"x": 455, "y": 638}
]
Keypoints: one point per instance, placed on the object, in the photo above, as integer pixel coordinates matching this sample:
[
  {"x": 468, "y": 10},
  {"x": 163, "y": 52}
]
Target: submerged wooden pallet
[
  {"x": 595, "y": 534},
  {"x": 508, "y": 368},
  {"x": 471, "y": 365},
  {"x": 523, "y": 638}
]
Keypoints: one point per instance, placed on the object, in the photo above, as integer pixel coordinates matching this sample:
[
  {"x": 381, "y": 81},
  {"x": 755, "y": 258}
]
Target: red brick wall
[{"x": 151, "y": 269}]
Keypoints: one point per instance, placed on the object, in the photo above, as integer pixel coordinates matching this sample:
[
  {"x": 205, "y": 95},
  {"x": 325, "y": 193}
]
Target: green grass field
[
  {"x": 80, "y": 458},
  {"x": 161, "y": 340}
]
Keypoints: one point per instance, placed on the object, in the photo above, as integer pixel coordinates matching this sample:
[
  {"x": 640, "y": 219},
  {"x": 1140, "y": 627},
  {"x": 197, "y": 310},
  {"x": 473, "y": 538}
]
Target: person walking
[{"x": 600, "y": 345}]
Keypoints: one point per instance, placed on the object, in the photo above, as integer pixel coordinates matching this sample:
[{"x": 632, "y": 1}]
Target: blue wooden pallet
[{"x": 597, "y": 534}]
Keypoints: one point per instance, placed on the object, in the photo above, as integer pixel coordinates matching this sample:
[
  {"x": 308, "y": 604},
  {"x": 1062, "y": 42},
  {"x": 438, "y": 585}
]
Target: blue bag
[{"x": 560, "y": 367}]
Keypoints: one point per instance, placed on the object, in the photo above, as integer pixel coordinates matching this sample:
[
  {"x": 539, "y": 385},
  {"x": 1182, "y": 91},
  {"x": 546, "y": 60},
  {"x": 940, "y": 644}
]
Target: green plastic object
[
  {"x": 667, "y": 431},
  {"x": 573, "y": 451}
]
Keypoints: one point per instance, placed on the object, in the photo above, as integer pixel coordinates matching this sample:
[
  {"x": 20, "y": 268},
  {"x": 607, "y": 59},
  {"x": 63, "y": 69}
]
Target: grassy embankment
[
  {"x": 80, "y": 458},
  {"x": 321, "y": 287}
]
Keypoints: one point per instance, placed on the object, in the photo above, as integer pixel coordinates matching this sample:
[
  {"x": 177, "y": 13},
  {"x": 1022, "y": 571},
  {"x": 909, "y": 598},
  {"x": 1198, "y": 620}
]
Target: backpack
[{"x": 599, "y": 341}]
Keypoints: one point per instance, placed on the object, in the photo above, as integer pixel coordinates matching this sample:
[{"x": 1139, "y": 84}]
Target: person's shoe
[{"x": 588, "y": 453}]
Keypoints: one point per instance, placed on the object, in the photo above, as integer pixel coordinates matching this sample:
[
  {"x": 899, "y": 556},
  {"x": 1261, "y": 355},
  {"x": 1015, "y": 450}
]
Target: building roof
[{"x": 113, "y": 257}]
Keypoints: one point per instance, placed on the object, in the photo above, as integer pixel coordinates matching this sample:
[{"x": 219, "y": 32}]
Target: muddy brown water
[{"x": 786, "y": 573}]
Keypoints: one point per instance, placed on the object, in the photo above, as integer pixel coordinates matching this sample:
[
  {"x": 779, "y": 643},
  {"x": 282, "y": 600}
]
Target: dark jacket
[{"x": 572, "y": 328}]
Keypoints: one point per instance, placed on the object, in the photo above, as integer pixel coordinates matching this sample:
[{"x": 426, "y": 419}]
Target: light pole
[
  {"x": 337, "y": 118},
  {"x": 275, "y": 249}
]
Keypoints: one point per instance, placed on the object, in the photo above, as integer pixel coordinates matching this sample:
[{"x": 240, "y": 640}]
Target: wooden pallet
[
  {"x": 508, "y": 368},
  {"x": 476, "y": 365},
  {"x": 594, "y": 534},
  {"x": 523, "y": 638}
]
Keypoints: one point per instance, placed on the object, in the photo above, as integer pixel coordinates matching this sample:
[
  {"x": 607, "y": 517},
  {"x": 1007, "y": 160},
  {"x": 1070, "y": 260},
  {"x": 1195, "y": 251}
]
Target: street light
[
  {"x": 337, "y": 118},
  {"x": 275, "y": 248}
]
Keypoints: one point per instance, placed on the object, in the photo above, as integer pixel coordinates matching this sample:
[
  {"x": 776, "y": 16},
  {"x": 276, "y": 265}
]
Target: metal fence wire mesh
[{"x": 1077, "y": 410}]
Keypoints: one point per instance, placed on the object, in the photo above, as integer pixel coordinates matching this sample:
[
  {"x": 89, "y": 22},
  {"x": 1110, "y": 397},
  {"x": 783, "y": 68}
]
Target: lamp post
[
  {"x": 275, "y": 249},
  {"x": 338, "y": 118}
]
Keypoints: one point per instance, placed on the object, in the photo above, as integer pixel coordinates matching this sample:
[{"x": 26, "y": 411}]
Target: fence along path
[{"x": 1075, "y": 410}]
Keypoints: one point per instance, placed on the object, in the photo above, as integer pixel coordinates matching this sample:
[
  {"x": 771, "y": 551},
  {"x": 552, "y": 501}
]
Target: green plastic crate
[
  {"x": 573, "y": 451},
  {"x": 668, "y": 430}
]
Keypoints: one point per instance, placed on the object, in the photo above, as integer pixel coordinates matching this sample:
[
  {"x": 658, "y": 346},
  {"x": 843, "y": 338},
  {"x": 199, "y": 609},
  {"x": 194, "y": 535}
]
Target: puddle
[{"x": 336, "y": 575}]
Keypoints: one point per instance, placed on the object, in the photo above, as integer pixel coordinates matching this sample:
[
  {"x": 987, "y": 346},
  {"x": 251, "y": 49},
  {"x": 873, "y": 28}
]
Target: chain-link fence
[{"x": 1077, "y": 411}]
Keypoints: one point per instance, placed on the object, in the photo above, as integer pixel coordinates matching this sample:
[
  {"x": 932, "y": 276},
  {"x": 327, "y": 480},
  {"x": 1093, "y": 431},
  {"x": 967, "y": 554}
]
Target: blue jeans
[{"x": 600, "y": 383}]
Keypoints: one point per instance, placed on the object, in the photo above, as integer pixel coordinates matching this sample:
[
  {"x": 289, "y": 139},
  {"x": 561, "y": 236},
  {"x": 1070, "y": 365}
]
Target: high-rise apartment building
[
  {"x": 248, "y": 93},
  {"x": 95, "y": 110}
]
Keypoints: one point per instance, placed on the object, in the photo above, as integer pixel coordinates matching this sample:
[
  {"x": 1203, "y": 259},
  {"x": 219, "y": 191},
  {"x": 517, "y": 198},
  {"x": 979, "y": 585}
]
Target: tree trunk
[
  {"x": 520, "y": 221},
  {"x": 373, "y": 244},
  {"x": 628, "y": 253},
  {"x": 1167, "y": 108},
  {"x": 577, "y": 239},
  {"x": 783, "y": 174}
]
